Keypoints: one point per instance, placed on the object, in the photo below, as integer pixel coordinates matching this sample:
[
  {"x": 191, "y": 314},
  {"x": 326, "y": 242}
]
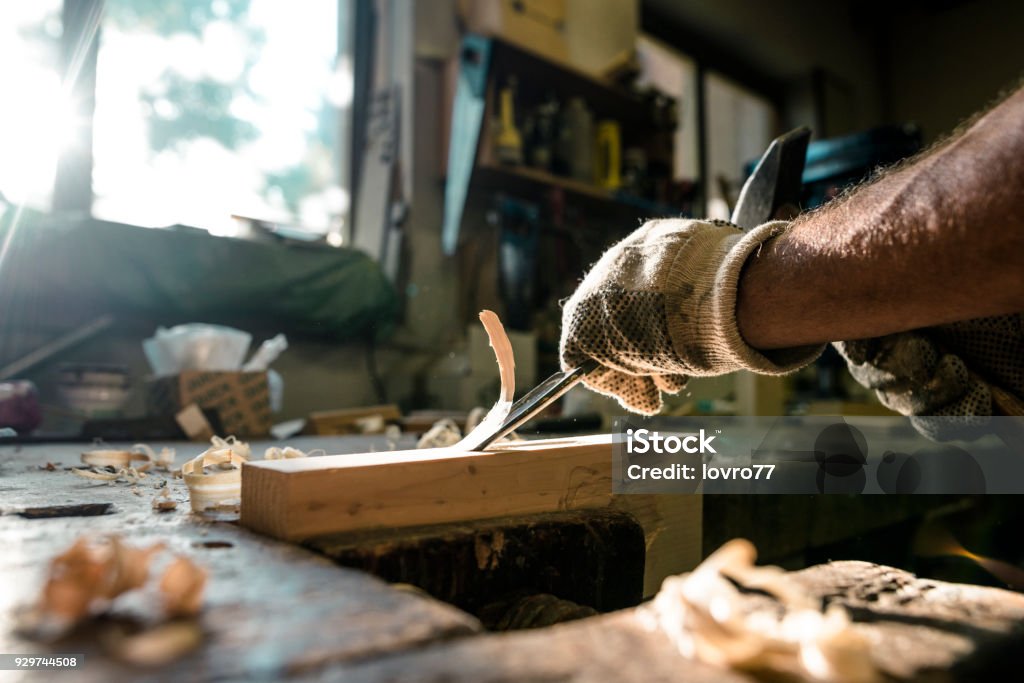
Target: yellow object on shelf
[
  {"x": 609, "y": 155},
  {"x": 508, "y": 143}
]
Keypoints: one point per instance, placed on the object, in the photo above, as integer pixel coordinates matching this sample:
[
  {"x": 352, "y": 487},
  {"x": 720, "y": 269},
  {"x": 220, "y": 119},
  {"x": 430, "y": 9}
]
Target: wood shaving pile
[
  {"x": 114, "y": 465},
  {"x": 444, "y": 432},
  {"x": 214, "y": 477},
  {"x": 701, "y": 613},
  {"x": 286, "y": 453},
  {"x": 84, "y": 581}
]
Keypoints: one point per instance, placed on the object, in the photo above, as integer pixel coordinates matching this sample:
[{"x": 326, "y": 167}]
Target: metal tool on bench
[{"x": 773, "y": 187}]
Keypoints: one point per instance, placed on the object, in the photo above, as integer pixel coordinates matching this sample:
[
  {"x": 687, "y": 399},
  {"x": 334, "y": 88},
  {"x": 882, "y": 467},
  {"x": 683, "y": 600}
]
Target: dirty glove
[
  {"x": 949, "y": 372},
  {"x": 660, "y": 306}
]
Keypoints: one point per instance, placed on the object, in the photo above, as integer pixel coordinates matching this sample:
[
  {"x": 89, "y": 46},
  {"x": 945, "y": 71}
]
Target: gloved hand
[
  {"x": 943, "y": 372},
  {"x": 660, "y": 306}
]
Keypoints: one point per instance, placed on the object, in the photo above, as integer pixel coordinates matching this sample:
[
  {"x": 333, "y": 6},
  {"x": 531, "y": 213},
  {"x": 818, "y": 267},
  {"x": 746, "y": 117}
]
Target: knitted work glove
[
  {"x": 660, "y": 306},
  {"x": 950, "y": 371}
]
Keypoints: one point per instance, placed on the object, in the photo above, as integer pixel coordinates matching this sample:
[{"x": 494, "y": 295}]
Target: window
[
  {"x": 740, "y": 126},
  {"x": 204, "y": 109},
  {"x": 34, "y": 116},
  {"x": 208, "y": 108}
]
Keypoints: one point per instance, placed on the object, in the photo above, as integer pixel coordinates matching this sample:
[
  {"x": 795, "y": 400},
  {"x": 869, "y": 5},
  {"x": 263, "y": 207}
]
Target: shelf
[
  {"x": 606, "y": 99},
  {"x": 523, "y": 179}
]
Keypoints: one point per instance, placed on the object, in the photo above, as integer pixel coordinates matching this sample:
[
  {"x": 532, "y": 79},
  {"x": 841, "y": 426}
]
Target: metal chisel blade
[{"x": 540, "y": 397}]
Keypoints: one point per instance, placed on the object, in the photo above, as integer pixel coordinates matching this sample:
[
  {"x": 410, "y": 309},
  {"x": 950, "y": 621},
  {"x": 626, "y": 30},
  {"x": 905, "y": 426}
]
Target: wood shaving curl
[
  {"x": 163, "y": 502},
  {"x": 701, "y": 613},
  {"x": 112, "y": 458},
  {"x": 161, "y": 461},
  {"x": 506, "y": 372},
  {"x": 98, "y": 475},
  {"x": 214, "y": 477},
  {"x": 442, "y": 433},
  {"x": 85, "y": 579},
  {"x": 286, "y": 453},
  {"x": 181, "y": 588}
]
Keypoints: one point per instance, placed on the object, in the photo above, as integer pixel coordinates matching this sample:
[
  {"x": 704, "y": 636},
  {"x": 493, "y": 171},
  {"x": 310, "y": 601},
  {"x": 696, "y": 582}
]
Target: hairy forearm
[{"x": 939, "y": 240}]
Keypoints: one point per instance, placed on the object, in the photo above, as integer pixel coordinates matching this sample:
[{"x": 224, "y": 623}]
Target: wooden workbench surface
[{"x": 275, "y": 611}]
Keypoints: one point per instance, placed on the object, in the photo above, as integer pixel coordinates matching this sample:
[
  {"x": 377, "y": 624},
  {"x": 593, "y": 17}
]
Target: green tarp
[{"x": 54, "y": 268}]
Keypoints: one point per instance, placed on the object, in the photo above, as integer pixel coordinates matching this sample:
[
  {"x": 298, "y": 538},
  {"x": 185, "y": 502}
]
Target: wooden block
[
  {"x": 306, "y": 497},
  {"x": 349, "y": 420},
  {"x": 194, "y": 423}
]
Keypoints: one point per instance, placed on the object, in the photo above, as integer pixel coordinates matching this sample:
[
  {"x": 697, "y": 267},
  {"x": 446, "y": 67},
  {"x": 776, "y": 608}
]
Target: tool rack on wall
[{"x": 483, "y": 66}]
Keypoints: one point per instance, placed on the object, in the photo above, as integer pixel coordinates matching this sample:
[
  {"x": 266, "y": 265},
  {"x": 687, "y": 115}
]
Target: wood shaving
[
  {"x": 118, "y": 463},
  {"x": 443, "y": 433},
  {"x": 93, "y": 474},
  {"x": 161, "y": 461},
  {"x": 84, "y": 579},
  {"x": 286, "y": 453},
  {"x": 214, "y": 477},
  {"x": 129, "y": 474},
  {"x": 701, "y": 613},
  {"x": 157, "y": 646},
  {"x": 371, "y": 424},
  {"x": 506, "y": 372},
  {"x": 162, "y": 502},
  {"x": 181, "y": 588},
  {"x": 112, "y": 458},
  {"x": 502, "y": 353}
]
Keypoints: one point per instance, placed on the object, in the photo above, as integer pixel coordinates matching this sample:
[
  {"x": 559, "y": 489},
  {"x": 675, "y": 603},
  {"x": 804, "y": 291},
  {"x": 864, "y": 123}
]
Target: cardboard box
[
  {"x": 537, "y": 25},
  {"x": 601, "y": 34},
  {"x": 241, "y": 399}
]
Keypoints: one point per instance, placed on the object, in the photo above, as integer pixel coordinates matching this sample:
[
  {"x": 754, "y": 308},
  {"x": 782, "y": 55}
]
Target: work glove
[
  {"x": 949, "y": 379},
  {"x": 660, "y": 306}
]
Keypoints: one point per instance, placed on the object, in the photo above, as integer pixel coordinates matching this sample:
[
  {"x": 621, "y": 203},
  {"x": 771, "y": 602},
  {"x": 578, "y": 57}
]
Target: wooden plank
[
  {"x": 347, "y": 420},
  {"x": 303, "y": 498}
]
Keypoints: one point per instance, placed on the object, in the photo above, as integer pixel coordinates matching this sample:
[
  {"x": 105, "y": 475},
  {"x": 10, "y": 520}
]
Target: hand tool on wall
[{"x": 772, "y": 189}]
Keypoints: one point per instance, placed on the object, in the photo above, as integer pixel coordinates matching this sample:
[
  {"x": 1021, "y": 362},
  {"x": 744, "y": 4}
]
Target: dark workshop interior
[{"x": 244, "y": 250}]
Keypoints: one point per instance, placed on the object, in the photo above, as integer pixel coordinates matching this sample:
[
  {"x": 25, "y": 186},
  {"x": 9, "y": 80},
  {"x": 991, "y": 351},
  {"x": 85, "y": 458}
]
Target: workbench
[{"x": 276, "y": 611}]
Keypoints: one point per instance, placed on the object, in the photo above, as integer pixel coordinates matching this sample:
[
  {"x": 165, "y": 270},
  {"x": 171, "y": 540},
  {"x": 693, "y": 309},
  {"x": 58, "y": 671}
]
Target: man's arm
[{"x": 937, "y": 241}]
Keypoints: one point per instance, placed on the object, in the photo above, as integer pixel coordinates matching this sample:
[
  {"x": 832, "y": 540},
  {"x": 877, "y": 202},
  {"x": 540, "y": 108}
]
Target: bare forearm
[{"x": 937, "y": 241}]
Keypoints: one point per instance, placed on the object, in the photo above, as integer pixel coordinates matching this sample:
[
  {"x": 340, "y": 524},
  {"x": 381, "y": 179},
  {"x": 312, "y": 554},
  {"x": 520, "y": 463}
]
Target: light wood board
[{"x": 301, "y": 498}]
